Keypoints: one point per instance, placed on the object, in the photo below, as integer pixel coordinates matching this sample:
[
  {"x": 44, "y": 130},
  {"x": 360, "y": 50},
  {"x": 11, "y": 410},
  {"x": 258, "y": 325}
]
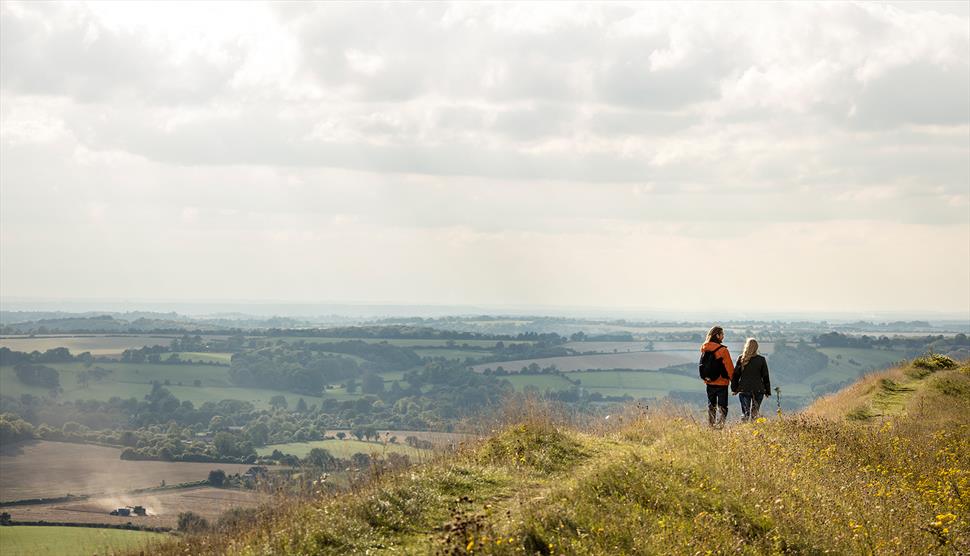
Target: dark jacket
[{"x": 751, "y": 378}]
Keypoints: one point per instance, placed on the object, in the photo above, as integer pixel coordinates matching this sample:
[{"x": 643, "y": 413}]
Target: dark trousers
[
  {"x": 717, "y": 405},
  {"x": 750, "y": 405}
]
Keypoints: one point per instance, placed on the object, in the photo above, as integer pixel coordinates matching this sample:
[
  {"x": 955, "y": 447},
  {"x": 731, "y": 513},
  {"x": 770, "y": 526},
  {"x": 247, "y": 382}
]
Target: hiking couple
[{"x": 748, "y": 378}]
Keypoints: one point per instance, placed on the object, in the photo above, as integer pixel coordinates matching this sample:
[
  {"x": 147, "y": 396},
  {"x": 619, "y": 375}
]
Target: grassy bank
[{"x": 836, "y": 479}]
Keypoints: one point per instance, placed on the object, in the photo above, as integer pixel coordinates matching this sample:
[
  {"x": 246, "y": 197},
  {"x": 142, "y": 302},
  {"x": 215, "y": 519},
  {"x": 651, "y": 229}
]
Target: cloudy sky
[{"x": 765, "y": 157}]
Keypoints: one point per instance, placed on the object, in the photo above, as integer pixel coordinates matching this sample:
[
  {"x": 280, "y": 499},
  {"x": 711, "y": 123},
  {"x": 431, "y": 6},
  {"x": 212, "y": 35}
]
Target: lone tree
[
  {"x": 319, "y": 457},
  {"x": 217, "y": 477},
  {"x": 278, "y": 402}
]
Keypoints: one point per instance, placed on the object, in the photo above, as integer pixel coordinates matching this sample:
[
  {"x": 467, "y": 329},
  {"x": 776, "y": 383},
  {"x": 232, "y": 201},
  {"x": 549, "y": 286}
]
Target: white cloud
[{"x": 484, "y": 152}]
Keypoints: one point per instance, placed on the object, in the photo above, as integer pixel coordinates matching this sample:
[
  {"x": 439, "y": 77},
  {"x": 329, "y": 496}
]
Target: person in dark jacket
[
  {"x": 717, "y": 389},
  {"x": 750, "y": 381}
]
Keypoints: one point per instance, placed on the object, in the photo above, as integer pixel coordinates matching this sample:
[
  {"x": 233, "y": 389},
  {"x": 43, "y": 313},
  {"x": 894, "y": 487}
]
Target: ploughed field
[
  {"x": 72, "y": 541},
  {"x": 42, "y": 469},
  {"x": 163, "y": 507}
]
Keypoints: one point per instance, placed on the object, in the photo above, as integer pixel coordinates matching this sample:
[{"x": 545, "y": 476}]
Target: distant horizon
[{"x": 364, "y": 309}]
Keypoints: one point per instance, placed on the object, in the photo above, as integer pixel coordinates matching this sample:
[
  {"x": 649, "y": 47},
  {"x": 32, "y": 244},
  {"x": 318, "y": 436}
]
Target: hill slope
[{"x": 890, "y": 478}]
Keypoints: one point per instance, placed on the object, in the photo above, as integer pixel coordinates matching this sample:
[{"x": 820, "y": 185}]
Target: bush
[
  {"x": 191, "y": 522},
  {"x": 930, "y": 363},
  {"x": 237, "y": 519},
  {"x": 217, "y": 477}
]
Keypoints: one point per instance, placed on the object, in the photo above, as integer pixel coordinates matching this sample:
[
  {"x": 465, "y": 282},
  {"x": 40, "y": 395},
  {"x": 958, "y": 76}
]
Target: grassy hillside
[{"x": 881, "y": 468}]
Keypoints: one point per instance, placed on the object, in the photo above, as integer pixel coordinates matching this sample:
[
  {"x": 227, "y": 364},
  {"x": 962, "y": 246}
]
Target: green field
[
  {"x": 649, "y": 384},
  {"x": 841, "y": 369},
  {"x": 70, "y": 541},
  {"x": 542, "y": 382},
  {"x": 343, "y": 448},
  {"x": 459, "y": 354},
  {"x": 633, "y": 380},
  {"x": 129, "y": 380}
]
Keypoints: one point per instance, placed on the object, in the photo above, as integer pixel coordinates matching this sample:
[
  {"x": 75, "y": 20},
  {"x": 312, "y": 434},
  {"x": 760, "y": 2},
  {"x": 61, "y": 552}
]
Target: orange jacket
[{"x": 725, "y": 357}]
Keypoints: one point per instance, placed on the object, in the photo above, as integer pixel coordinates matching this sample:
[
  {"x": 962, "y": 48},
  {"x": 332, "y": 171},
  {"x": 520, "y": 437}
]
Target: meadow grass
[{"x": 73, "y": 541}]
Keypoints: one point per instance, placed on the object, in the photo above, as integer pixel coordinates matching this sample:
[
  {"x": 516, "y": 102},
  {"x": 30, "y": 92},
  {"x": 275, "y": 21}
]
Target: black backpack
[{"x": 710, "y": 366}]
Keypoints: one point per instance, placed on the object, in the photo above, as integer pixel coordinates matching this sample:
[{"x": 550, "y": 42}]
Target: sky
[{"x": 761, "y": 157}]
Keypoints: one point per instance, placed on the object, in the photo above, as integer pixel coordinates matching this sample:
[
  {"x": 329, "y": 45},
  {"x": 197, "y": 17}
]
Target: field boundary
[
  {"x": 124, "y": 526},
  {"x": 55, "y": 500}
]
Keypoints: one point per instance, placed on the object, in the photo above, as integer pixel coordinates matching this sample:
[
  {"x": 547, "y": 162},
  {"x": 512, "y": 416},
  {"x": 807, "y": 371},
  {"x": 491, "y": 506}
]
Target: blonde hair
[
  {"x": 714, "y": 331},
  {"x": 750, "y": 350}
]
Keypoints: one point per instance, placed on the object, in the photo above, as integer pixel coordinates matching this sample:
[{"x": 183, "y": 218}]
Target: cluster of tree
[
  {"x": 196, "y": 343},
  {"x": 579, "y": 397},
  {"x": 937, "y": 342},
  {"x": 295, "y": 370},
  {"x": 14, "y": 429},
  {"x": 92, "y": 374},
  {"x": 308, "y": 368},
  {"x": 415, "y": 442},
  {"x": 225, "y": 447},
  {"x": 530, "y": 369},
  {"x": 836, "y": 339},
  {"x": 54, "y": 355},
  {"x": 512, "y": 352},
  {"x": 380, "y": 357},
  {"x": 38, "y": 375}
]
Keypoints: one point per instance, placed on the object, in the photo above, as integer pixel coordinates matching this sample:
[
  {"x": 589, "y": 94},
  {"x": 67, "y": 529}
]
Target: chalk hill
[{"x": 882, "y": 467}]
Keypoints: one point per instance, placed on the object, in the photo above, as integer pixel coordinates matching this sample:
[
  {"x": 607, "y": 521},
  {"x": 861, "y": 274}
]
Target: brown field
[
  {"x": 41, "y": 469},
  {"x": 636, "y": 360},
  {"x": 97, "y": 345},
  {"x": 163, "y": 507}
]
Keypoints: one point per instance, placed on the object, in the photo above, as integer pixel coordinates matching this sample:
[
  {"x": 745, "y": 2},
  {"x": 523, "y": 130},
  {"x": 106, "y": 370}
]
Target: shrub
[
  {"x": 539, "y": 446},
  {"x": 930, "y": 363},
  {"x": 191, "y": 522},
  {"x": 217, "y": 477}
]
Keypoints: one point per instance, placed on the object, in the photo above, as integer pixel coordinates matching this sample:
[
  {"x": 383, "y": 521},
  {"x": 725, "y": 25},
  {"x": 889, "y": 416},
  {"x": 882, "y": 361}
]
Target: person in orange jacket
[{"x": 716, "y": 369}]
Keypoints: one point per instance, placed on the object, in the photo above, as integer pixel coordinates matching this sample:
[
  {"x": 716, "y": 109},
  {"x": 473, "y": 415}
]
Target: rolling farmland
[
  {"x": 163, "y": 507},
  {"x": 42, "y": 469}
]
